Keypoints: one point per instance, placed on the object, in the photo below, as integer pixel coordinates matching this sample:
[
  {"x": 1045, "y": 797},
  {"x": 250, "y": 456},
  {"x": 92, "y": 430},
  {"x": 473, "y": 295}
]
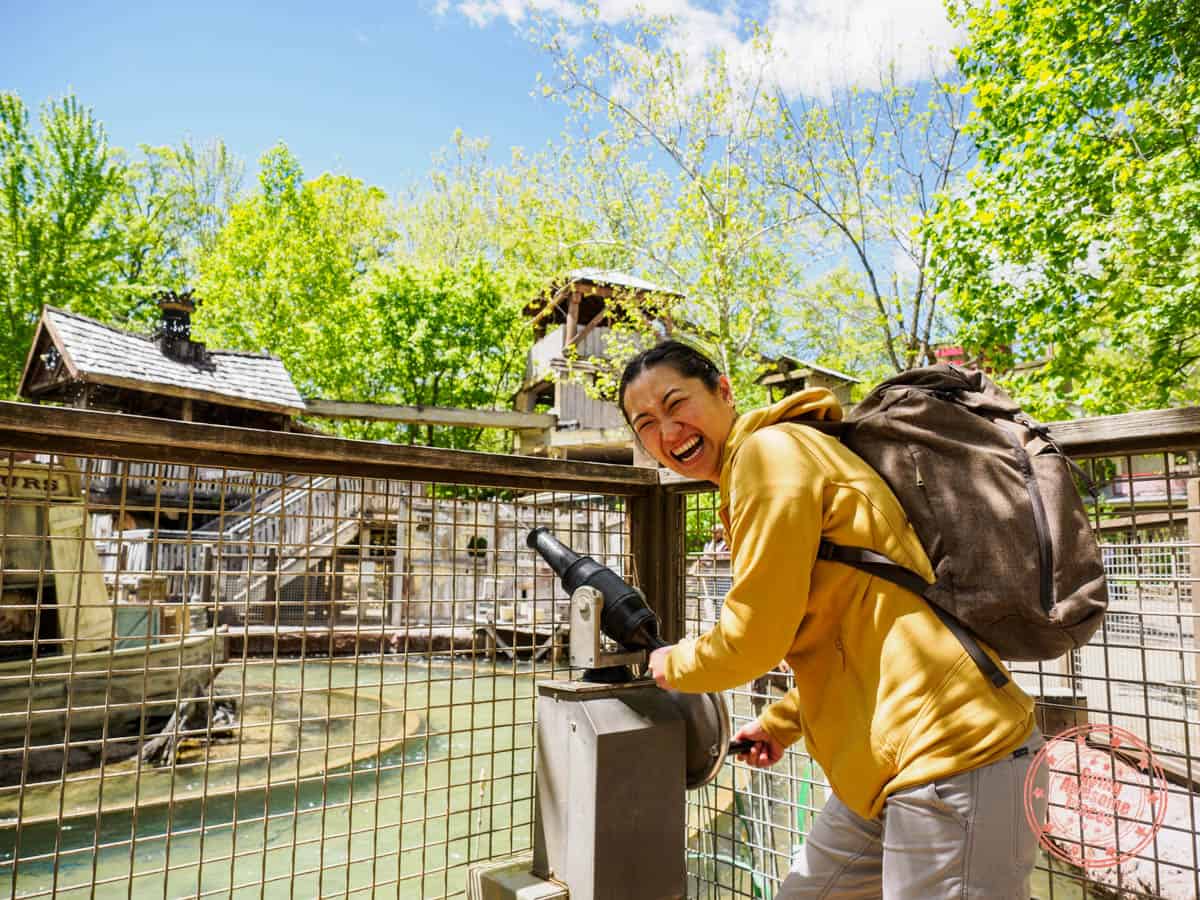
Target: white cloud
[
  {"x": 819, "y": 44},
  {"x": 830, "y": 43}
]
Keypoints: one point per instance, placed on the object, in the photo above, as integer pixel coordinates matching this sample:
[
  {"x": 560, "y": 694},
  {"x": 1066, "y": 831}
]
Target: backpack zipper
[{"x": 1040, "y": 522}]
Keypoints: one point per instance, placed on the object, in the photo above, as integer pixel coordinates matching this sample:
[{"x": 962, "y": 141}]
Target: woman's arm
[{"x": 775, "y": 503}]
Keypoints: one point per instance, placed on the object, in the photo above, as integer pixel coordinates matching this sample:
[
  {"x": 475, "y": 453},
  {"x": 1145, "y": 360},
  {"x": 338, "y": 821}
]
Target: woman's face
[{"x": 680, "y": 421}]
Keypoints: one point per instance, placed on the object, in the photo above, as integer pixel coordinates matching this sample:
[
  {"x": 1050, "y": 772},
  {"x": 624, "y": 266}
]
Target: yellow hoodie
[{"x": 885, "y": 697}]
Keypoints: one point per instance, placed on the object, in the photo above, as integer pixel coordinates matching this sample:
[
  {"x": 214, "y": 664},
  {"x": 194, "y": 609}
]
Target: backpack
[{"x": 995, "y": 504}]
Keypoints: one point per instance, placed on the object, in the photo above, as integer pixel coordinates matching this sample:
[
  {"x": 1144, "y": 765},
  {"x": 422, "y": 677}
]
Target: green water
[
  {"x": 383, "y": 778},
  {"x": 319, "y": 811}
]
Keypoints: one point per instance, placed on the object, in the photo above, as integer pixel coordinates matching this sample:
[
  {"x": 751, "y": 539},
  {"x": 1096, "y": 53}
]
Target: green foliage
[
  {"x": 307, "y": 271},
  {"x": 658, "y": 143},
  {"x": 699, "y": 520},
  {"x": 448, "y": 336},
  {"x": 837, "y": 322},
  {"x": 58, "y": 244},
  {"x": 85, "y": 228},
  {"x": 173, "y": 203},
  {"x": 1077, "y": 239},
  {"x": 283, "y": 275},
  {"x": 783, "y": 225},
  {"x": 865, "y": 167}
]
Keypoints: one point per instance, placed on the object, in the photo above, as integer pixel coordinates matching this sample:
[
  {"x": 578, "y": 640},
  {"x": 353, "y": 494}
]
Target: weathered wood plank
[
  {"x": 183, "y": 392},
  {"x": 1155, "y": 430},
  {"x": 428, "y": 415},
  {"x": 26, "y": 426},
  {"x": 656, "y": 542}
]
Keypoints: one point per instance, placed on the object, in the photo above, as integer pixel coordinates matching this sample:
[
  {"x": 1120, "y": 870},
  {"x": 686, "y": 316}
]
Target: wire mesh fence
[
  {"x": 1138, "y": 674},
  {"x": 238, "y": 681},
  {"x": 301, "y": 668}
]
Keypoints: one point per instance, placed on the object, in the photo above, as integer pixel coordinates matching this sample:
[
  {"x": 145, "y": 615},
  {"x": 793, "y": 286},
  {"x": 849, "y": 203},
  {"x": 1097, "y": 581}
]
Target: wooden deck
[{"x": 484, "y": 639}]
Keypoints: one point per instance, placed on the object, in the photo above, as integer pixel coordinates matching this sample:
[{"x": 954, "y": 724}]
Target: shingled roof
[{"x": 96, "y": 353}]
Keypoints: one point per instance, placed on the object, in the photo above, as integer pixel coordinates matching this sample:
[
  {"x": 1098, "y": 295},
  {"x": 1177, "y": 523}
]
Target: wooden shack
[
  {"x": 571, "y": 330},
  {"x": 78, "y": 361},
  {"x": 788, "y": 375}
]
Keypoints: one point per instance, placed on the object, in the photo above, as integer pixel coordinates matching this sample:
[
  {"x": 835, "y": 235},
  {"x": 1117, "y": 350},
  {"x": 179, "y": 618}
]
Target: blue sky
[{"x": 374, "y": 89}]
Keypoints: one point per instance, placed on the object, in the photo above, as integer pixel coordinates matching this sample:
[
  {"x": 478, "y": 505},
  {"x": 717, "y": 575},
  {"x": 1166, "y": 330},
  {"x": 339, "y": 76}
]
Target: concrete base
[
  {"x": 610, "y": 819},
  {"x": 511, "y": 879}
]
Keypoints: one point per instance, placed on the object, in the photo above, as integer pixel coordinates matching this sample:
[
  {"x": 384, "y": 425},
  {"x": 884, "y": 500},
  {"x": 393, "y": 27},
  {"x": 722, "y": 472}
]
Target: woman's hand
[
  {"x": 766, "y": 750},
  {"x": 658, "y": 666}
]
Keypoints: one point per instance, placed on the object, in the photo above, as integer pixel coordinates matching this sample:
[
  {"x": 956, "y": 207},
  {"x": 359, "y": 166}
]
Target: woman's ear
[{"x": 725, "y": 389}]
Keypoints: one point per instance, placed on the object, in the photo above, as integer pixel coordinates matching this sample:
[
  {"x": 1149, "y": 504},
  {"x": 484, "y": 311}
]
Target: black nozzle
[{"x": 625, "y": 617}]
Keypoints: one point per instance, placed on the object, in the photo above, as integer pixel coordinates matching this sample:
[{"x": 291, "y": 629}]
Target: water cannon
[
  {"x": 623, "y": 613},
  {"x": 615, "y": 754}
]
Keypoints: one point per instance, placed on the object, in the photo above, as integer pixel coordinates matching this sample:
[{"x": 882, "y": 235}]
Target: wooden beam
[
  {"x": 430, "y": 415},
  {"x": 656, "y": 541},
  {"x": 587, "y": 329},
  {"x": 162, "y": 389},
  {"x": 572, "y": 319},
  {"x": 779, "y": 378},
  {"x": 1150, "y": 432},
  {"x": 25, "y": 426}
]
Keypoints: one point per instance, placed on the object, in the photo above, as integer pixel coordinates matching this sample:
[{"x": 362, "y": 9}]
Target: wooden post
[
  {"x": 271, "y": 613},
  {"x": 656, "y": 540},
  {"x": 1193, "y": 530},
  {"x": 207, "y": 576},
  {"x": 572, "y": 319}
]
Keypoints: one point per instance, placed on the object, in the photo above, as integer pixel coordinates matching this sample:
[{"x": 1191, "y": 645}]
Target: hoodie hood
[{"x": 814, "y": 404}]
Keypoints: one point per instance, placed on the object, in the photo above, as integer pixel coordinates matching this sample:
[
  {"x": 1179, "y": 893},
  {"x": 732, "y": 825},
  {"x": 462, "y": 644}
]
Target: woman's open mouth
[{"x": 689, "y": 450}]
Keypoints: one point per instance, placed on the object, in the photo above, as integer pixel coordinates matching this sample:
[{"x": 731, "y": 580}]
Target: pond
[{"x": 347, "y": 775}]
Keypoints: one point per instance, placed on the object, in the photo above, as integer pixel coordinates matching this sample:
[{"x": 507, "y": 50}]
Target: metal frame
[
  {"x": 328, "y": 791},
  {"x": 1138, "y": 673},
  {"x": 360, "y": 604}
]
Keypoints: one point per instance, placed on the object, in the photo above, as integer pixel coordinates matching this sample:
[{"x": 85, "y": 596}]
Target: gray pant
[{"x": 966, "y": 836}]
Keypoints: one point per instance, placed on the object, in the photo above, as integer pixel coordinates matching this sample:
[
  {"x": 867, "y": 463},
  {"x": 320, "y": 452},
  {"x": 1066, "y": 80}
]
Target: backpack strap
[{"x": 881, "y": 566}]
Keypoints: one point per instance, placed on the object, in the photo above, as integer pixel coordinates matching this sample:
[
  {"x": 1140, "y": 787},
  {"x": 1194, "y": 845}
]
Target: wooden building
[
  {"x": 789, "y": 375},
  {"x": 571, "y": 332},
  {"x": 77, "y": 361}
]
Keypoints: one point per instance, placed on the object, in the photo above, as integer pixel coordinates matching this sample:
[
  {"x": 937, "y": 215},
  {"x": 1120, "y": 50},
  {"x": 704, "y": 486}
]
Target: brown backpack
[{"x": 995, "y": 503}]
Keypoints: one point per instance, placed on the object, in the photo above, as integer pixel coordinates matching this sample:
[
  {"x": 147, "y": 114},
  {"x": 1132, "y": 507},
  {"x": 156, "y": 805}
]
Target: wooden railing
[{"x": 1127, "y": 676}]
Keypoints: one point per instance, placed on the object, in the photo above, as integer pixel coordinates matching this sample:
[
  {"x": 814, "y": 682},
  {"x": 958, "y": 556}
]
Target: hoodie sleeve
[
  {"x": 782, "y": 719},
  {"x": 775, "y": 517}
]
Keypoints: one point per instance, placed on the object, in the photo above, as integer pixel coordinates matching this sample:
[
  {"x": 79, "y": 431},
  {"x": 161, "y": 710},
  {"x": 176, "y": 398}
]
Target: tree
[
  {"x": 865, "y": 168},
  {"x": 1076, "y": 243},
  {"x": 282, "y": 274},
  {"x": 58, "y": 244},
  {"x": 173, "y": 203},
  {"x": 518, "y": 217},
  {"x": 450, "y": 335},
  {"x": 663, "y": 151},
  {"x": 312, "y": 272}
]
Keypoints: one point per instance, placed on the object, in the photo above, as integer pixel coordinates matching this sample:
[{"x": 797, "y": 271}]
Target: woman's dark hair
[{"x": 687, "y": 361}]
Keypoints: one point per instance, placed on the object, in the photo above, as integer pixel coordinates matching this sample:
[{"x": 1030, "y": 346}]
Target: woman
[{"x": 926, "y": 759}]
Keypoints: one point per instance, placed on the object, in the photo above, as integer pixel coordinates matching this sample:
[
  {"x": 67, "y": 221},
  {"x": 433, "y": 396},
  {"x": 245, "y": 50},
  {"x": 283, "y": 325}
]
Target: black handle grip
[{"x": 745, "y": 745}]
